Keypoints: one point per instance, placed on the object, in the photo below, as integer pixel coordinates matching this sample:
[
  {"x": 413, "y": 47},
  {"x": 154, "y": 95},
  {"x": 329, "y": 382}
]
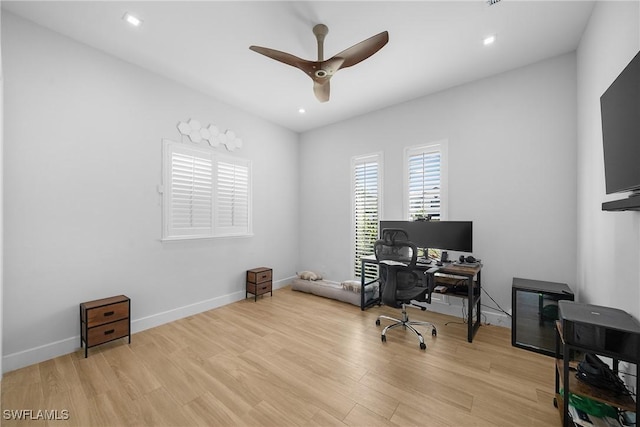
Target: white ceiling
[{"x": 433, "y": 45}]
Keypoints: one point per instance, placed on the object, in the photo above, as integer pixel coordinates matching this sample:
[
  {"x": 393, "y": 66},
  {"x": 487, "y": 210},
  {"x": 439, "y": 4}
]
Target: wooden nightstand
[
  {"x": 259, "y": 282},
  {"x": 104, "y": 320}
]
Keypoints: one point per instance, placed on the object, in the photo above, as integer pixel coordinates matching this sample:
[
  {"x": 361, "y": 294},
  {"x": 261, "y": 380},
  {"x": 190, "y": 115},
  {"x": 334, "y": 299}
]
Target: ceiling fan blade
[
  {"x": 284, "y": 57},
  {"x": 361, "y": 51},
  {"x": 321, "y": 71},
  {"x": 321, "y": 90}
]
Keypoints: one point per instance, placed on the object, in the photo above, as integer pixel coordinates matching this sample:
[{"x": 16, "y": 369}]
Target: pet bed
[{"x": 348, "y": 291}]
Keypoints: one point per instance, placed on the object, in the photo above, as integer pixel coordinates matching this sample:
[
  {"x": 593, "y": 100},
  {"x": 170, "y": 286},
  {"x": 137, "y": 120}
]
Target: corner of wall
[{"x": 1, "y": 204}]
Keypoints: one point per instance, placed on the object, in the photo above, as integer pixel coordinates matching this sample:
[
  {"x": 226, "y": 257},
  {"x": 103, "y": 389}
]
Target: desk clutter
[{"x": 459, "y": 290}]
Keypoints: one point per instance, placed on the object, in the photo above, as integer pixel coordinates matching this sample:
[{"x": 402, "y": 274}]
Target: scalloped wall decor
[{"x": 196, "y": 133}]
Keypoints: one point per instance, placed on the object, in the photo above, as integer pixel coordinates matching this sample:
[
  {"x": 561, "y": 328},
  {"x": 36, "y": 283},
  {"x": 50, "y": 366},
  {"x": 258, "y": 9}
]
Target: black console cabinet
[{"x": 535, "y": 310}]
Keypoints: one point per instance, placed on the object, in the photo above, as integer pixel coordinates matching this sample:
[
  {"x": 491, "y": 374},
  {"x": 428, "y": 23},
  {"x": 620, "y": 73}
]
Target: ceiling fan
[{"x": 322, "y": 70}]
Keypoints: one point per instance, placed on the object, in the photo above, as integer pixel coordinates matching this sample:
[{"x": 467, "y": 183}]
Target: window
[
  {"x": 425, "y": 182},
  {"x": 205, "y": 195},
  {"x": 367, "y": 202},
  {"x": 232, "y": 205}
]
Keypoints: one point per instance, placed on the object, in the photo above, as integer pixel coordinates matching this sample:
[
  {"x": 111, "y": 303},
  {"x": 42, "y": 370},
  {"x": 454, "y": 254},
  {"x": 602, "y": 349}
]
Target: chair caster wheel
[
  {"x": 434, "y": 332},
  {"x": 377, "y": 322},
  {"x": 423, "y": 346},
  {"x": 423, "y": 308},
  {"x": 383, "y": 338}
]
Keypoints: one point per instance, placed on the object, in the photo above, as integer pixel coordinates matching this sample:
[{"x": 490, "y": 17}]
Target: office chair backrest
[
  {"x": 391, "y": 235},
  {"x": 398, "y": 250},
  {"x": 396, "y": 277}
]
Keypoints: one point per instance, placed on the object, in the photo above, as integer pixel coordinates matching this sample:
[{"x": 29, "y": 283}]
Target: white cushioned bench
[{"x": 348, "y": 291}]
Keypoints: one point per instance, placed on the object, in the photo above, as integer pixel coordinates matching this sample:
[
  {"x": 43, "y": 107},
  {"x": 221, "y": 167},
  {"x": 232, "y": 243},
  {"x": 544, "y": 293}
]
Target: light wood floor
[{"x": 292, "y": 359}]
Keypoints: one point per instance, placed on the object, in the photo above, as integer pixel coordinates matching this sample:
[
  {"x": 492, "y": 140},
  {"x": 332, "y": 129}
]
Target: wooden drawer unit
[
  {"x": 259, "y": 282},
  {"x": 104, "y": 320}
]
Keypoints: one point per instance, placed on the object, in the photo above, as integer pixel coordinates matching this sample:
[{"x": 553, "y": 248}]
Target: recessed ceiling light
[
  {"x": 489, "y": 40},
  {"x": 133, "y": 20},
  {"x": 301, "y": 110}
]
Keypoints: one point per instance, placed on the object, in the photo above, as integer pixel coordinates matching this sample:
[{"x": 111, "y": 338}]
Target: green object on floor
[{"x": 592, "y": 407}]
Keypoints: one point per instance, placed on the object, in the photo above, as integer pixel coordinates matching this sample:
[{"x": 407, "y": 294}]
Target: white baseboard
[
  {"x": 38, "y": 354},
  {"x": 23, "y": 358},
  {"x": 148, "y": 322}
]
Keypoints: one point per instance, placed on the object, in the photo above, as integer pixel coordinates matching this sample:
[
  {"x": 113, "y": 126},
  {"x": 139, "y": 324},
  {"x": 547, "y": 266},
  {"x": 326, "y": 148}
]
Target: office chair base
[{"x": 406, "y": 324}]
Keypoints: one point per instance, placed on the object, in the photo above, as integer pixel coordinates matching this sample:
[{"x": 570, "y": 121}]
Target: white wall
[
  {"x": 512, "y": 171},
  {"x": 1, "y": 202},
  {"x": 82, "y": 164},
  {"x": 608, "y": 242}
]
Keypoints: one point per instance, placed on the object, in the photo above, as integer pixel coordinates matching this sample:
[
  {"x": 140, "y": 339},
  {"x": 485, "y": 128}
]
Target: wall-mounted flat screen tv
[{"x": 620, "y": 113}]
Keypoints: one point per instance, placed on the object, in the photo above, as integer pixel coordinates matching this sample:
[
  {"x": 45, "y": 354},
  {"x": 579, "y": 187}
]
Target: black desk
[{"x": 468, "y": 273}]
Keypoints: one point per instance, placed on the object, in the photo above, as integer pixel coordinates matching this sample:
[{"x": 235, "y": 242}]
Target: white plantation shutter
[
  {"x": 189, "y": 181},
  {"x": 367, "y": 201},
  {"x": 232, "y": 197},
  {"x": 205, "y": 195},
  {"x": 424, "y": 180}
]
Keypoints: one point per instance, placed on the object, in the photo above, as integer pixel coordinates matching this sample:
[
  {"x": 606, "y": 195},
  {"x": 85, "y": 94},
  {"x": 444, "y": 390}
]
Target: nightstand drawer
[
  {"x": 259, "y": 275},
  {"x": 108, "y": 332},
  {"x": 110, "y": 313},
  {"x": 259, "y": 289}
]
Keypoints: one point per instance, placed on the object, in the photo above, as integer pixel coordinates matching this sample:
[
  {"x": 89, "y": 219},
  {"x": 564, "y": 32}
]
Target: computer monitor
[{"x": 445, "y": 235}]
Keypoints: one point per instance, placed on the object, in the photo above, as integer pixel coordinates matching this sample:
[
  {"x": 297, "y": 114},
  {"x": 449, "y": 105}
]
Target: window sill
[{"x": 225, "y": 236}]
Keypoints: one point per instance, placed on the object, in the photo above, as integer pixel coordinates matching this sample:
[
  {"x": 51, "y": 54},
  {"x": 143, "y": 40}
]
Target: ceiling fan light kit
[{"x": 322, "y": 70}]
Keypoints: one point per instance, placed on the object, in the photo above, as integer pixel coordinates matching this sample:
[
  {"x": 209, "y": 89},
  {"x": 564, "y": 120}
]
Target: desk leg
[
  {"x": 470, "y": 322},
  {"x": 565, "y": 382},
  {"x": 362, "y": 280},
  {"x": 479, "y": 307},
  {"x": 474, "y": 325}
]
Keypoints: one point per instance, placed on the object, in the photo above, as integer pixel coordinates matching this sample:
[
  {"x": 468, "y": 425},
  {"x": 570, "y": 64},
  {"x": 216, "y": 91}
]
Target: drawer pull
[
  {"x": 109, "y": 332},
  {"x": 108, "y": 313}
]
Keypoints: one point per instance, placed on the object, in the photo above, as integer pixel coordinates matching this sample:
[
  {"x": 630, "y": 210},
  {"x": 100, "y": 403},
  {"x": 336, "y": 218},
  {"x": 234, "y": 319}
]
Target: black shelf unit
[
  {"x": 535, "y": 309},
  {"x": 566, "y": 380}
]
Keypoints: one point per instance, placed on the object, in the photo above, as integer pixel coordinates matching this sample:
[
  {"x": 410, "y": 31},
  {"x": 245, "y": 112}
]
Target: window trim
[
  {"x": 441, "y": 146},
  {"x": 213, "y": 232},
  {"x": 355, "y": 160}
]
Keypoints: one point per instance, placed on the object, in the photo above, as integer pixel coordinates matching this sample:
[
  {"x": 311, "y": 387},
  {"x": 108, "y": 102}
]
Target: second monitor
[{"x": 445, "y": 235}]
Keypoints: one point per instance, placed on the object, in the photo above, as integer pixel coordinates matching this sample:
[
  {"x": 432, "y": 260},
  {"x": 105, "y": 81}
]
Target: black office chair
[
  {"x": 394, "y": 234},
  {"x": 402, "y": 284}
]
